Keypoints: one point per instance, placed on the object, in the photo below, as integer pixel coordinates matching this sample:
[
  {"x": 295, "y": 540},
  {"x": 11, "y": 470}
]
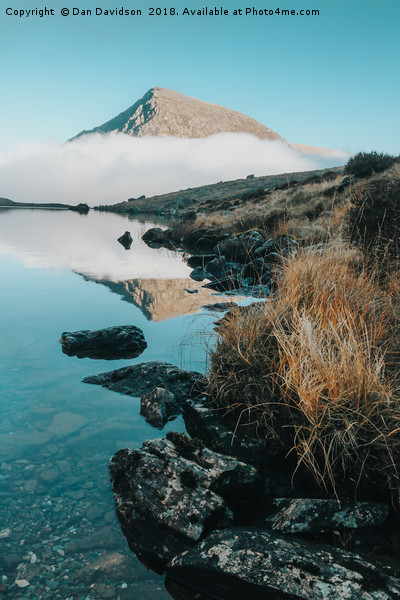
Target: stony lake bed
[{"x": 60, "y": 271}]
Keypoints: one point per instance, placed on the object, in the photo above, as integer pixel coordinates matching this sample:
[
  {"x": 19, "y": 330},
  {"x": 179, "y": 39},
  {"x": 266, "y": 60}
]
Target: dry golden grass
[
  {"x": 306, "y": 213},
  {"x": 316, "y": 369}
]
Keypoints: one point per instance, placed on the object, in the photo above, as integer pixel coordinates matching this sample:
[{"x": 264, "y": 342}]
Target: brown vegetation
[
  {"x": 311, "y": 368},
  {"x": 316, "y": 368}
]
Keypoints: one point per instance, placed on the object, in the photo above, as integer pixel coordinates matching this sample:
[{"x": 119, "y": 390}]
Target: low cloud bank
[{"x": 106, "y": 169}]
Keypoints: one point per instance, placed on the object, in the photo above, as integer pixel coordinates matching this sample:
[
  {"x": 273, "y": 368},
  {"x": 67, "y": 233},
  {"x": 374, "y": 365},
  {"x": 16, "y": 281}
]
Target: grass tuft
[{"x": 316, "y": 370}]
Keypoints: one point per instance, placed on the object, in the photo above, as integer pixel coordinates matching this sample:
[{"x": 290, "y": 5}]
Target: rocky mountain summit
[{"x": 163, "y": 112}]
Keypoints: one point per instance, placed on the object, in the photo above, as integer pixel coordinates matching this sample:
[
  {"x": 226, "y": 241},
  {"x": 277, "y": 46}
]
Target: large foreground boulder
[
  {"x": 123, "y": 341},
  {"x": 239, "y": 563},
  {"x": 139, "y": 380},
  {"x": 169, "y": 494}
]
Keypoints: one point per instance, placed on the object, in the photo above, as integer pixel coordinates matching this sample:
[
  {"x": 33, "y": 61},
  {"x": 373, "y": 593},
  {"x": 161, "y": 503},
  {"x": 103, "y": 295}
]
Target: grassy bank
[{"x": 315, "y": 370}]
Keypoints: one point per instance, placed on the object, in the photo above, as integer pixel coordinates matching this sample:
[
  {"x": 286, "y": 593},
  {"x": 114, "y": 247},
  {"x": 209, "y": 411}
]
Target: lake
[{"x": 62, "y": 271}]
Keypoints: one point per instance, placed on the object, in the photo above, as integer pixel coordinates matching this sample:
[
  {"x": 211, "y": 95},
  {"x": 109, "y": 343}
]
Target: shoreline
[{"x": 283, "y": 508}]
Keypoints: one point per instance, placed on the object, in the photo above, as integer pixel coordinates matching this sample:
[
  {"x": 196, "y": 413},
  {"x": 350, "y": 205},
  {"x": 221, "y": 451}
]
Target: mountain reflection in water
[{"x": 152, "y": 279}]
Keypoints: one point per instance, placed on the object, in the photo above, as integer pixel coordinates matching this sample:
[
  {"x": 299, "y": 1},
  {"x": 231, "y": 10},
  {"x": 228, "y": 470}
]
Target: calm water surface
[{"x": 61, "y": 271}]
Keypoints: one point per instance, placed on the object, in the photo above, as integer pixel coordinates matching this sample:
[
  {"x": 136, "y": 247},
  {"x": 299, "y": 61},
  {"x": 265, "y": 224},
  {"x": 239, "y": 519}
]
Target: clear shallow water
[{"x": 60, "y": 271}]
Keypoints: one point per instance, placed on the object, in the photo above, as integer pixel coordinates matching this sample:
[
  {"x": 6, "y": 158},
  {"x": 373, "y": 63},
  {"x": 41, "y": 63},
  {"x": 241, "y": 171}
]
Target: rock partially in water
[
  {"x": 126, "y": 240},
  {"x": 155, "y": 237},
  {"x": 169, "y": 493},
  {"x": 205, "y": 422},
  {"x": 198, "y": 274},
  {"x": 158, "y": 407},
  {"x": 309, "y": 515},
  {"x": 239, "y": 563},
  {"x": 139, "y": 380},
  {"x": 124, "y": 341},
  {"x": 200, "y": 260}
]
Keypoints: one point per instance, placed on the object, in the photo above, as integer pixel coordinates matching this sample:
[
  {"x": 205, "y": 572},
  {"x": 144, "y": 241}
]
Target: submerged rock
[
  {"x": 309, "y": 515},
  {"x": 139, "y": 380},
  {"x": 168, "y": 495},
  {"x": 158, "y": 407},
  {"x": 124, "y": 341},
  {"x": 126, "y": 240},
  {"x": 239, "y": 563}
]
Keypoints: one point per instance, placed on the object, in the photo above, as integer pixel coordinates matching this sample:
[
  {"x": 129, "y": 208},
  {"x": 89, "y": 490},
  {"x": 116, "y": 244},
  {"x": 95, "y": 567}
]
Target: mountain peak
[{"x": 163, "y": 112}]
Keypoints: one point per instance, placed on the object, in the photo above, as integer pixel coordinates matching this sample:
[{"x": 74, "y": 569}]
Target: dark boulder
[
  {"x": 139, "y": 380},
  {"x": 310, "y": 515},
  {"x": 257, "y": 268},
  {"x": 155, "y": 237},
  {"x": 202, "y": 240},
  {"x": 219, "y": 268},
  {"x": 126, "y": 240},
  {"x": 198, "y": 274},
  {"x": 200, "y": 260},
  {"x": 282, "y": 244},
  {"x": 241, "y": 248},
  {"x": 124, "y": 341},
  {"x": 164, "y": 496},
  {"x": 239, "y": 563},
  {"x": 158, "y": 407},
  {"x": 205, "y": 422}
]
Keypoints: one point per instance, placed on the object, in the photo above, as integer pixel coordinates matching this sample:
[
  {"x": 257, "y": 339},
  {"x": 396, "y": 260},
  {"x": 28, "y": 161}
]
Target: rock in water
[
  {"x": 126, "y": 240},
  {"x": 124, "y": 341},
  {"x": 158, "y": 407},
  {"x": 139, "y": 380},
  {"x": 154, "y": 237},
  {"x": 170, "y": 493},
  {"x": 239, "y": 563}
]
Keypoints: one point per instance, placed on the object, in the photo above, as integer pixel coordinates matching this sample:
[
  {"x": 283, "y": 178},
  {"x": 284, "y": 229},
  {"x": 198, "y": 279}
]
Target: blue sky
[{"x": 329, "y": 81}]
